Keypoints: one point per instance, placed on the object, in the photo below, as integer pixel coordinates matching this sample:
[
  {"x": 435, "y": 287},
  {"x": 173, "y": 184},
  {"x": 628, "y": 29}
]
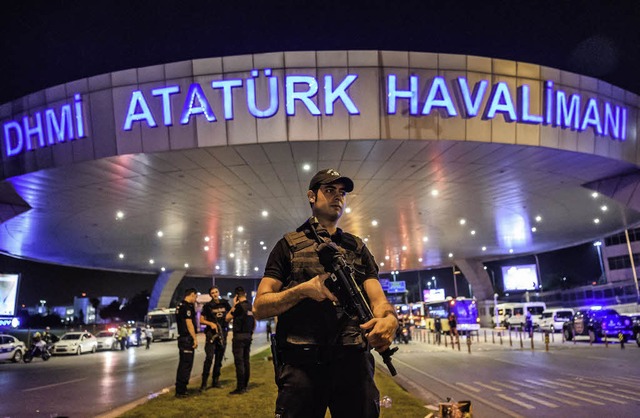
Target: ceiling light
[
  {"x": 534, "y": 229},
  {"x": 160, "y": 234},
  {"x": 386, "y": 257},
  {"x": 473, "y": 232},
  {"x": 597, "y": 221},
  {"x": 538, "y": 218},
  {"x": 366, "y": 240},
  {"x": 425, "y": 239},
  {"x": 265, "y": 213},
  {"x": 420, "y": 260},
  {"x": 206, "y": 248},
  {"x": 162, "y": 269},
  {"x": 306, "y": 167},
  {"x": 604, "y": 208},
  {"x": 594, "y": 194},
  {"x": 434, "y": 192},
  {"x": 510, "y": 250},
  {"x": 186, "y": 265},
  {"x": 484, "y": 248},
  {"x": 240, "y": 228},
  {"x": 232, "y": 255},
  {"x": 151, "y": 261},
  {"x": 463, "y": 221},
  {"x": 382, "y": 264},
  {"x": 261, "y": 242},
  {"x": 206, "y": 239},
  {"x": 485, "y": 267},
  {"x": 450, "y": 255},
  {"x": 121, "y": 255},
  {"x": 348, "y": 210},
  {"x": 217, "y": 267},
  {"x": 374, "y": 223},
  {"x": 404, "y": 248},
  {"x": 119, "y": 214},
  {"x": 264, "y": 247},
  {"x": 255, "y": 269}
]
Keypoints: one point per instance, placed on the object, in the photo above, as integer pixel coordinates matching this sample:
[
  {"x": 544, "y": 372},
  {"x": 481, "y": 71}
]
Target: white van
[
  {"x": 519, "y": 317},
  {"x": 553, "y": 319}
]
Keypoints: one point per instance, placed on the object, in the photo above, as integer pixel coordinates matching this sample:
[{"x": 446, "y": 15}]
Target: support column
[
  {"x": 478, "y": 277},
  {"x": 163, "y": 289}
]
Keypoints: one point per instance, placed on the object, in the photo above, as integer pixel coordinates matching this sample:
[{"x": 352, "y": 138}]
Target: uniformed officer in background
[
  {"x": 213, "y": 316},
  {"x": 187, "y": 342},
  {"x": 243, "y": 326},
  {"x": 324, "y": 358}
]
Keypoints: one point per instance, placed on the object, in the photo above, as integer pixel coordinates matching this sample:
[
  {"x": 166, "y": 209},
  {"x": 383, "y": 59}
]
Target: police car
[
  {"x": 11, "y": 348},
  {"x": 598, "y": 323}
]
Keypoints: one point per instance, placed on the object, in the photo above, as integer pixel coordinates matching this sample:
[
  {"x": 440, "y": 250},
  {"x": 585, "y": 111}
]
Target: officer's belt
[{"x": 317, "y": 354}]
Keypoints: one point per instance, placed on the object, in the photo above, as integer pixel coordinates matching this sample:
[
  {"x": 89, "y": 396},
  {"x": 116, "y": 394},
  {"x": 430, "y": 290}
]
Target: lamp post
[{"x": 598, "y": 244}]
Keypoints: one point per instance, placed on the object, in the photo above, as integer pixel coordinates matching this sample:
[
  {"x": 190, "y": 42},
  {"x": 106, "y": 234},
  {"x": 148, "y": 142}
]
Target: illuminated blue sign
[
  {"x": 319, "y": 96},
  {"x": 454, "y": 98},
  {"x": 397, "y": 287},
  {"x": 6, "y": 322},
  {"x": 66, "y": 124}
]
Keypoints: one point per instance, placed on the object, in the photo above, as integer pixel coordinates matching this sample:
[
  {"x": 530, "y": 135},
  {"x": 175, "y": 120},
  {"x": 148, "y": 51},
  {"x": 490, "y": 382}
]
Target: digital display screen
[
  {"x": 8, "y": 293},
  {"x": 522, "y": 277},
  {"x": 433, "y": 295}
]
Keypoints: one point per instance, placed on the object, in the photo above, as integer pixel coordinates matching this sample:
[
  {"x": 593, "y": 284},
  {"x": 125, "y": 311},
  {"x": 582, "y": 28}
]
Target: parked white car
[
  {"x": 107, "y": 340},
  {"x": 11, "y": 348},
  {"x": 553, "y": 319},
  {"x": 76, "y": 343}
]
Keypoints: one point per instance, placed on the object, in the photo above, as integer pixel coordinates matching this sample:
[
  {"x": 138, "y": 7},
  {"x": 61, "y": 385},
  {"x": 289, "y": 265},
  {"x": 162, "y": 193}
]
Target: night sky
[{"x": 51, "y": 42}]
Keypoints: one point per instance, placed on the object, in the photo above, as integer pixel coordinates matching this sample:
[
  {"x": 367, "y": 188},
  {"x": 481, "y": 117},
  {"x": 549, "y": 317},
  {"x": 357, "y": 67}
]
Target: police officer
[
  {"x": 243, "y": 326},
  {"x": 187, "y": 342},
  {"x": 213, "y": 316},
  {"x": 324, "y": 357}
]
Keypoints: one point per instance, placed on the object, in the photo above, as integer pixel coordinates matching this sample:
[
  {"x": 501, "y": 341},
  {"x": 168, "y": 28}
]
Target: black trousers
[
  {"x": 214, "y": 354},
  {"x": 241, "y": 347},
  {"x": 185, "y": 364},
  {"x": 344, "y": 385}
]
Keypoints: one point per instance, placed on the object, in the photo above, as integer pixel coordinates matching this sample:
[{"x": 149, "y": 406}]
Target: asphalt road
[
  {"x": 92, "y": 384},
  {"x": 500, "y": 380},
  {"x": 571, "y": 379}
]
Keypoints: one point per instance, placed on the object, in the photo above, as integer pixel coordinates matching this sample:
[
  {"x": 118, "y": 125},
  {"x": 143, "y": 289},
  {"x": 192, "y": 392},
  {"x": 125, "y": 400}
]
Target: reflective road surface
[
  {"x": 570, "y": 379},
  {"x": 500, "y": 380},
  {"x": 91, "y": 384}
]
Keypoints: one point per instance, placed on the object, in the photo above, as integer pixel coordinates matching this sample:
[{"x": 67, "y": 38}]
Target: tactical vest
[{"x": 311, "y": 323}]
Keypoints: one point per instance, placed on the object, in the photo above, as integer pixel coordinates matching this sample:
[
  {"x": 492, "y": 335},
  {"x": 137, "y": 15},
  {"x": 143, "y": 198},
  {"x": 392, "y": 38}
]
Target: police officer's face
[
  {"x": 215, "y": 294},
  {"x": 330, "y": 201},
  {"x": 191, "y": 298}
]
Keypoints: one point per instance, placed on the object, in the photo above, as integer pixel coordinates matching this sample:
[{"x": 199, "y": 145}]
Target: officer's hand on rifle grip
[
  {"x": 316, "y": 290},
  {"x": 382, "y": 331}
]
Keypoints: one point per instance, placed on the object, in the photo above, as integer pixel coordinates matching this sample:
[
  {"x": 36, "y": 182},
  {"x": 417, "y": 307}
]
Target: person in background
[
  {"x": 453, "y": 327},
  {"x": 213, "y": 316},
  {"x": 187, "y": 341},
  {"x": 243, "y": 326},
  {"x": 148, "y": 335},
  {"x": 48, "y": 337}
]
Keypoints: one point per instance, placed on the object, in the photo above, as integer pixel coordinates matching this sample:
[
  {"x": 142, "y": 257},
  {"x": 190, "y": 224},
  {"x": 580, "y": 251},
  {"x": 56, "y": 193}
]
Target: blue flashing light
[{"x": 596, "y": 308}]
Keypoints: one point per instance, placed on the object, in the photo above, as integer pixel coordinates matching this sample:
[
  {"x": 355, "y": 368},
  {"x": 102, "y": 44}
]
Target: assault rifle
[{"x": 343, "y": 285}]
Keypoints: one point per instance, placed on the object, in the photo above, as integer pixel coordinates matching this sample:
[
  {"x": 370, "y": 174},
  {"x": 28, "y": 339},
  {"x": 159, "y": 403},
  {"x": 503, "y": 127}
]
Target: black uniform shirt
[
  {"x": 184, "y": 311},
  {"x": 215, "y": 312},
  {"x": 243, "y": 319}
]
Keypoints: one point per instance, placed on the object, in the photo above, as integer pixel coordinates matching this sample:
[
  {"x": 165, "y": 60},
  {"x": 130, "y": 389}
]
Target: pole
[
  {"x": 455, "y": 282},
  {"x": 633, "y": 265}
]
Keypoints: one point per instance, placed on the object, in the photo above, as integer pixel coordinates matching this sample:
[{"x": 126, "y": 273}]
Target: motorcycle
[{"x": 37, "y": 350}]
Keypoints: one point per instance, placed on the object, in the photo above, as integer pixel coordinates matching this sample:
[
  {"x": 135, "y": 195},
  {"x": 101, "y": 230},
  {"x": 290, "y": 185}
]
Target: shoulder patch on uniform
[{"x": 188, "y": 312}]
